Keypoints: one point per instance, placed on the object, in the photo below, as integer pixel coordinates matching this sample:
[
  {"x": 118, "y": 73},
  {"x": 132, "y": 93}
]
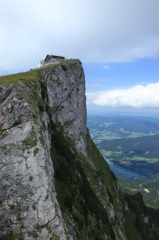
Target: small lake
[{"x": 122, "y": 172}]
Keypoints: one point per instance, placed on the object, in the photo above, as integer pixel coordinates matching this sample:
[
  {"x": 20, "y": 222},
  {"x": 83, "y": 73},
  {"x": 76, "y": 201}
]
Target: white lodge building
[{"x": 49, "y": 60}]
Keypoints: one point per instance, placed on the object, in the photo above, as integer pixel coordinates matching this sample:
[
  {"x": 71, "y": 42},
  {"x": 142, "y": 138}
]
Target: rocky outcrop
[
  {"x": 66, "y": 96},
  {"x": 28, "y": 199},
  {"x": 54, "y": 183},
  {"x": 13, "y": 106}
]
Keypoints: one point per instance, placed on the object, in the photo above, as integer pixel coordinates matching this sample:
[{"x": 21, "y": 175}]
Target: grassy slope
[
  {"x": 77, "y": 198},
  {"x": 149, "y": 188},
  {"x": 27, "y": 77}
]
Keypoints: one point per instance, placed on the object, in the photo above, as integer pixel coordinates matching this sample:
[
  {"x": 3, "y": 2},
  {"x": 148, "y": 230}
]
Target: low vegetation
[
  {"x": 149, "y": 188},
  {"x": 77, "y": 198},
  {"x": 36, "y": 150}
]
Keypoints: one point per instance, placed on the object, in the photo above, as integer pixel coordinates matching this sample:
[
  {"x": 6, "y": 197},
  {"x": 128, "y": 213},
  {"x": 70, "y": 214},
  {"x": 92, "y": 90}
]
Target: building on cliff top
[{"x": 49, "y": 60}]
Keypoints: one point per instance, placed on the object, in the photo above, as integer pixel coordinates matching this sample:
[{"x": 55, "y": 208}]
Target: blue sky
[
  {"x": 116, "y": 40},
  {"x": 106, "y": 78},
  {"x": 111, "y": 76}
]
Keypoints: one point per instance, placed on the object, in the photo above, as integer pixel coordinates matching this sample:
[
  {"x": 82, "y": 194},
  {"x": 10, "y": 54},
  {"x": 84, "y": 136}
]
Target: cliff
[{"x": 54, "y": 183}]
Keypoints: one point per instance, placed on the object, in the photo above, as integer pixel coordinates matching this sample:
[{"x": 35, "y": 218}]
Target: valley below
[{"x": 130, "y": 145}]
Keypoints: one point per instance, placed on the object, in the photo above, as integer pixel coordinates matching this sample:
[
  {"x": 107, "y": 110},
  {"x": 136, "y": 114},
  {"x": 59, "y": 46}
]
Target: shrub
[
  {"x": 30, "y": 178},
  {"x": 33, "y": 206},
  {"x": 12, "y": 207},
  {"x": 43, "y": 89},
  {"x": 41, "y": 105},
  {"x": 42, "y": 141},
  {"x": 32, "y": 140},
  {"x": 16, "y": 123},
  {"x": 64, "y": 67},
  {"x": 49, "y": 229},
  {"x": 36, "y": 150},
  {"x": 11, "y": 237},
  {"x": 34, "y": 234},
  {"x": 19, "y": 217}
]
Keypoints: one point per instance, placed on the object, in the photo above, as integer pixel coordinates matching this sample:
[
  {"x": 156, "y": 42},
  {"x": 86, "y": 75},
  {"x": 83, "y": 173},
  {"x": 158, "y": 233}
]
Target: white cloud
[
  {"x": 136, "y": 97},
  {"x": 94, "y": 31},
  {"x": 107, "y": 66}
]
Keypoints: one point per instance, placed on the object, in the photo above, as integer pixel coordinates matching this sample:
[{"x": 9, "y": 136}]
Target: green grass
[
  {"x": 117, "y": 154},
  {"x": 34, "y": 234},
  {"x": 30, "y": 76},
  {"x": 151, "y": 198},
  {"x": 12, "y": 206},
  {"x": 149, "y": 160},
  {"x": 19, "y": 217},
  {"x": 36, "y": 150},
  {"x": 15, "y": 78},
  {"x": 32, "y": 140},
  {"x": 42, "y": 141},
  {"x": 130, "y": 229},
  {"x": 41, "y": 105},
  {"x": 11, "y": 237},
  {"x": 49, "y": 229},
  {"x": 30, "y": 178}
]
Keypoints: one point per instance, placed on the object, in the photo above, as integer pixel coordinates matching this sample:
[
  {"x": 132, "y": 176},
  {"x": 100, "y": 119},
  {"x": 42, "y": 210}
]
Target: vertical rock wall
[
  {"x": 66, "y": 96},
  {"x": 28, "y": 204},
  {"x": 28, "y": 200}
]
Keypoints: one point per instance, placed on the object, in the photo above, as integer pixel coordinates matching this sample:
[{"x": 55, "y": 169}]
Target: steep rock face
[
  {"x": 13, "y": 107},
  {"x": 66, "y": 95},
  {"x": 28, "y": 199},
  {"x": 54, "y": 183}
]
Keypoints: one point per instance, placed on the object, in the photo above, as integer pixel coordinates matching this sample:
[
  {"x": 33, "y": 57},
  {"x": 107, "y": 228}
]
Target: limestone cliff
[{"x": 54, "y": 183}]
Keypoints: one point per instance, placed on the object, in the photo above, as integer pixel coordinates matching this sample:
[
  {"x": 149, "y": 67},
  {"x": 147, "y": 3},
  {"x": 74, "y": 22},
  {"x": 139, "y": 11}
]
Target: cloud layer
[
  {"x": 94, "y": 31},
  {"x": 135, "y": 97}
]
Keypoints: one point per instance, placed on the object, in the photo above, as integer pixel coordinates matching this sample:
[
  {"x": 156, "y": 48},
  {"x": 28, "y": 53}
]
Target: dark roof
[{"x": 48, "y": 57}]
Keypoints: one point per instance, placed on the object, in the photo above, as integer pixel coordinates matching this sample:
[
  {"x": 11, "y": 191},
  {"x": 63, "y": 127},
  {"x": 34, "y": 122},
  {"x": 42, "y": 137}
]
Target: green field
[
  {"x": 139, "y": 154},
  {"x": 129, "y": 142}
]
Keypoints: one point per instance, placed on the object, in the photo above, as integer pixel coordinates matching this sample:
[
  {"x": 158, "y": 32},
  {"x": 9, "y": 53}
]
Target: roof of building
[{"x": 53, "y": 56}]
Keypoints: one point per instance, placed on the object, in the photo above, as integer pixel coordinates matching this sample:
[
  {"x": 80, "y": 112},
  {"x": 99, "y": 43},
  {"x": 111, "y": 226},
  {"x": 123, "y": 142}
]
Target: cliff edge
[{"x": 54, "y": 183}]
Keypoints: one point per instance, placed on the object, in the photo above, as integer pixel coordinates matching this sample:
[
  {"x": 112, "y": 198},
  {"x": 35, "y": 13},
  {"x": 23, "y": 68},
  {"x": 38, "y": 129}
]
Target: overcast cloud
[
  {"x": 93, "y": 31},
  {"x": 138, "y": 97}
]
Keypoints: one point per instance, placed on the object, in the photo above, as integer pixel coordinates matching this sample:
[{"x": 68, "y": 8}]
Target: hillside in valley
[
  {"x": 129, "y": 142},
  {"x": 54, "y": 182}
]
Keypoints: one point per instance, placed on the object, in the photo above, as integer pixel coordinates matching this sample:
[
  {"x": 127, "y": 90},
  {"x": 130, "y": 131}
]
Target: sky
[{"x": 116, "y": 40}]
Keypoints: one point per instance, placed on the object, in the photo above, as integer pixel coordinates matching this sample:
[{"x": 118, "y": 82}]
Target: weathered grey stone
[
  {"x": 66, "y": 95},
  {"x": 28, "y": 202},
  {"x": 5, "y": 93},
  {"x": 27, "y": 192},
  {"x": 17, "y": 134},
  {"x": 14, "y": 107}
]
